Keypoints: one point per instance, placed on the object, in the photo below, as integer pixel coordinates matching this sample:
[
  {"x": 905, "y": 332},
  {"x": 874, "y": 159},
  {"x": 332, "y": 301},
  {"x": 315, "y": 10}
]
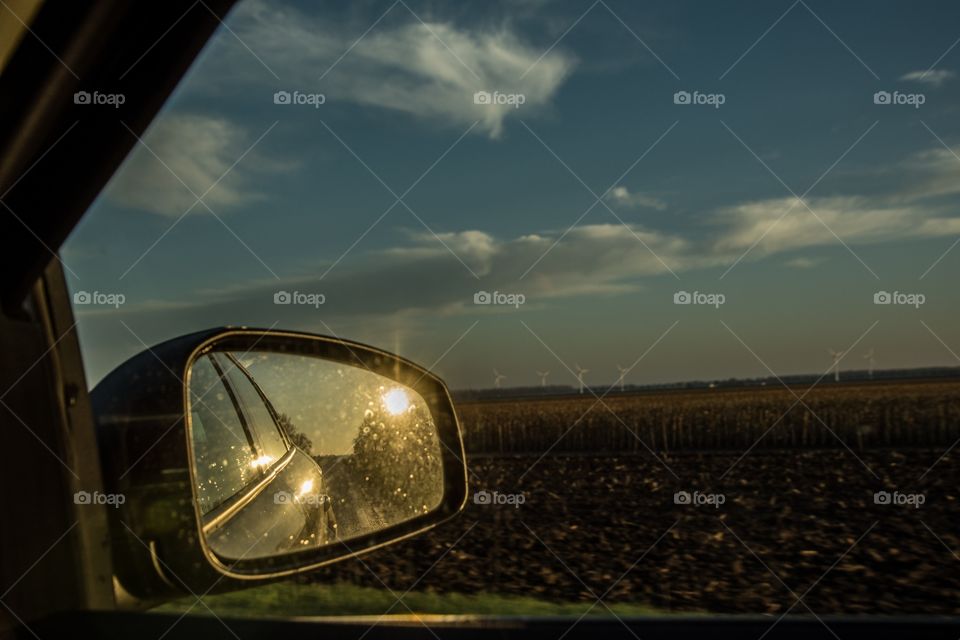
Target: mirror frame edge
[{"x": 449, "y": 433}]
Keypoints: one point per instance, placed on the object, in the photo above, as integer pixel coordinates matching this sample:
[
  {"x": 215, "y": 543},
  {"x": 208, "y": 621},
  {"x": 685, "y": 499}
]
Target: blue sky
[{"x": 597, "y": 199}]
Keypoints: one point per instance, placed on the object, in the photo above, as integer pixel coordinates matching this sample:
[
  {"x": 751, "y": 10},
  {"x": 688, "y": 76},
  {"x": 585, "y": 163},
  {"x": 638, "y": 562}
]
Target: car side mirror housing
[{"x": 249, "y": 455}]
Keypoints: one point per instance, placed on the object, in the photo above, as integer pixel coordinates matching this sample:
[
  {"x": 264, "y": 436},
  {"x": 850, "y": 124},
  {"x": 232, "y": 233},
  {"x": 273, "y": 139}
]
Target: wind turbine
[
  {"x": 623, "y": 372},
  {"x": 543, "y": 377},
  {"x": 871, "y": 362},
  {"x": 837, "y": 356},
  {"x": 497, "y": 377},
  {"x": 580, "y": 372}
]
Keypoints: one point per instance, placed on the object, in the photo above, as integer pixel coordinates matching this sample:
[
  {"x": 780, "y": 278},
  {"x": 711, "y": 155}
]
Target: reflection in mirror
[{"x": 293, "y": 452}]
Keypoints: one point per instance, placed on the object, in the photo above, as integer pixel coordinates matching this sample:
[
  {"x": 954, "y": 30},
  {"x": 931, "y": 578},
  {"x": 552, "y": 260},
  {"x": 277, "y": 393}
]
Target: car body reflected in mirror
[{"x": 292, "y": 452}]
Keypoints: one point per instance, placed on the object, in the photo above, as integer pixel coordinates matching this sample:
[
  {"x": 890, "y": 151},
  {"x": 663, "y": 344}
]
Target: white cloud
[
  {"x": 622, "y": 196},
  {"x": 589, "y": 259},
  {"x": 929, "y": 173},
  {"x": 195, "y": 149},
  {"x": 934, "y": 77},
  {"x": 911, "y": 205},
  {"x": 475, "y": 248},
  {"x": 600, "y": 258},
  {"x": 854, "y": 219},
  {"x": 429, "y": 70}
]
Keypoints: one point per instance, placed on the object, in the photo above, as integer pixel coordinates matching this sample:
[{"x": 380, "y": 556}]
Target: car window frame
[
  {"x": 234, "y": 401},
  {"x": 274, "y": 416}
]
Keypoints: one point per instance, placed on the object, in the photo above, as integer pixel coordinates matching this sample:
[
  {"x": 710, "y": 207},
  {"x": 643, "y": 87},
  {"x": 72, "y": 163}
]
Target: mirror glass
[{"x": 292, "y": 452}]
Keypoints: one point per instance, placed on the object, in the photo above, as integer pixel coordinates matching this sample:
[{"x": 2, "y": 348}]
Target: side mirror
[{"x": 246, "y": 454}]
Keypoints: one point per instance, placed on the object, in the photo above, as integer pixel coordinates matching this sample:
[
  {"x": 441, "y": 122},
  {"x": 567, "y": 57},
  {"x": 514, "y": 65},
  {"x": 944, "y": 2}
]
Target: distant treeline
[{"x": 470, "y": 395}]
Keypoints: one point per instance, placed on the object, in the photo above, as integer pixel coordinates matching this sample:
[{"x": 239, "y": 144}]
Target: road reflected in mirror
[{"x": 292, "y": 452}]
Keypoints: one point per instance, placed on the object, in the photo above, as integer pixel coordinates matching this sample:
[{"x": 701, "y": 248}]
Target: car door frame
[{"x": 56, "y": 158}]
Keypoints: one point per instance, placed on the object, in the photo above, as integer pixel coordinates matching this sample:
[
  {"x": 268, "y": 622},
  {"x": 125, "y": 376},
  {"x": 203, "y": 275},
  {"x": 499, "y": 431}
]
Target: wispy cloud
[
  {"x": 196, "y": 150},
  {"x": 429, "y": 69},
  {"x": 803, "y": 262},
  {"x": 855, "y": 219},
  {"x": 622, "y": 196},
  {"x": 933, "y": 77},
  {"x": 475, "y": 248}
]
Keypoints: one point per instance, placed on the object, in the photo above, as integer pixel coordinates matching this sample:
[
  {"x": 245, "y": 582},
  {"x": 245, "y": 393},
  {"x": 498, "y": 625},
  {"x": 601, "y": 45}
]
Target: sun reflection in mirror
[
  {"x": 305, "y": 488},
  {"x": 396, "y": 401},
  {"x": 261, "y": 462}
]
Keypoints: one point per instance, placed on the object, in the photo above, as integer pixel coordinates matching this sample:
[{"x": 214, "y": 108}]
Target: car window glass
[{"x": 688, "y": 269}]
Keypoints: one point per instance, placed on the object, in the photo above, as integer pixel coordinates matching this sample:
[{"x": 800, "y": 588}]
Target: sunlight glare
[{"x": 396, "y": 401}]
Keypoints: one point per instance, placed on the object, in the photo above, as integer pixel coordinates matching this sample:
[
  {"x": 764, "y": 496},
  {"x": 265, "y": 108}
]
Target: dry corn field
[{"x": 858, "y": 416}]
